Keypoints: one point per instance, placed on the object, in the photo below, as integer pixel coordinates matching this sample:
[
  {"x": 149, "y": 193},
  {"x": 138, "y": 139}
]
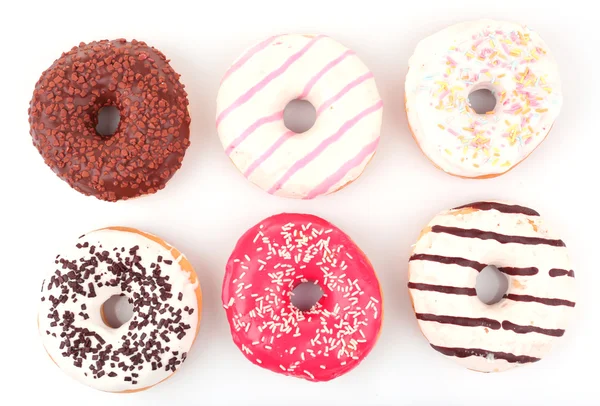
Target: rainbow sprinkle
[{"x": 495, "y": 57}]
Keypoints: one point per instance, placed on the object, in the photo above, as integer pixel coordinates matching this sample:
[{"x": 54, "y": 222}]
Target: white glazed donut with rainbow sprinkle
[
  {"x": 511, "y": 61},
  {"x": 254, "y": 93}
]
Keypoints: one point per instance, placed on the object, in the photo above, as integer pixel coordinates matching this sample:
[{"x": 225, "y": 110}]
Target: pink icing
[
  {"x": 270, "y": 151},
  {"x": 322, "y": 72},
  {"x": 257, "y": 124},
  {"x": 251, "y": 52},
  {"x": 345, "y": 90},
  {"x": 301, "y": 163},
  {"x": 266, "y": 80},
  {"x": 343, "y": 170},
  {"x": 268, "y": 262}
]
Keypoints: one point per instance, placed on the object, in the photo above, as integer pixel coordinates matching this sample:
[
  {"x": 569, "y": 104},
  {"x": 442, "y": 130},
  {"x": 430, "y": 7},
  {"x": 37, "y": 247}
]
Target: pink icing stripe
[
  {"x": 286, "y": 136},
  {"x": 343, "y": 170},
  {"x": 345, "y": 90},
  {"x": 251, "y": 52},
  {"x": 323, "y": 71},
  {"x": 252, "y": 128},
  {"x": 266, "y": 80},
  {"x": 323, "y": 145}
]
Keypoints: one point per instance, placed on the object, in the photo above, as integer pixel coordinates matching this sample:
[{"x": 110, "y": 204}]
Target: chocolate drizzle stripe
[
  {"x": 519, "y": 271},
  {"x": 542, "y": 300},
  {"x": 561, "y": 272},
  {"x": 449, "y": 261},
  {"x": 478, "y": 352},
  {"x": 503, "y": 208},
  {"x": 478, "y": 266},
  {"x": 507, "y": 325},
  {"x": 443, "y": 289},
  {"x": 460, "y": 321},
  {"x": 489, "y": 323},
  {"x": 501, "y": 238}
]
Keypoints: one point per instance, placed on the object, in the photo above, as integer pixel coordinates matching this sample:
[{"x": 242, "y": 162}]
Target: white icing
[
  {"x": 358, "y": 143},
  {"x": 503, "y": 139},
  {"x": 148, "y": 251},
  {"x": 540, "y": 285}
]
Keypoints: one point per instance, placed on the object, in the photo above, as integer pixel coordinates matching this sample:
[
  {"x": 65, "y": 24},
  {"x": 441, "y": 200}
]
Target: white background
[{"x": 208, "y": 204}]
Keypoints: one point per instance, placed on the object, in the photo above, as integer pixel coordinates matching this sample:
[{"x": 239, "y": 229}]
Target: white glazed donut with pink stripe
[{"x": 254, "y": 93}]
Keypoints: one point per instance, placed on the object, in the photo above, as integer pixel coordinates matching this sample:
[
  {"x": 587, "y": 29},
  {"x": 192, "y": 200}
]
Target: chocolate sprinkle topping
[
  {"x": 153, "y": 133},
  {"x": 148, "y": 291}
]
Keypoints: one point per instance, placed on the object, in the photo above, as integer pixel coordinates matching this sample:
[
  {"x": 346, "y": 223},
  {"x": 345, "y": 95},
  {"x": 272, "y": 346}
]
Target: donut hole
[
  {"x": 116, "y": 311},
  {"x": 108, "y": 121},
  {"x": 306, "y": 295},
  {"x": 482, "y": 101},
  {"x": 491, "y": 285},
  {"x": 299, "y": 116}
]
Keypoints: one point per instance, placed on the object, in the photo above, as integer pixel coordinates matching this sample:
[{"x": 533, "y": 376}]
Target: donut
[
  {"x": 153, "y": 132},
  {"x": 319, "y": 344},
  {"x": 157, "y": 280},
  {"x": 254, "y": 93},
  {"x": 509, "y": 60},
  {"x": 521, "y": 328}
]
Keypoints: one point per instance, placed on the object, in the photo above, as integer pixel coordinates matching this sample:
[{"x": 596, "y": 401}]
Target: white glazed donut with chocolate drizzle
[
  {"x": 522, "y": 327},
  {"x": 157, "y": 280}
]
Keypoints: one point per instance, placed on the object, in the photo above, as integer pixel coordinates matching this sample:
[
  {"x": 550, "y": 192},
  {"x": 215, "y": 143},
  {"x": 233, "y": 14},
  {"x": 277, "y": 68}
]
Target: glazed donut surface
[
  {"x": 268, "y": 262},
  {"x": 153, "y": 132},
  {"x": 158, "y": 282},
  {"x": 511, "y": 61},
  {"x": 254, "y": 93},
  {"x": 519, "y": 329}
]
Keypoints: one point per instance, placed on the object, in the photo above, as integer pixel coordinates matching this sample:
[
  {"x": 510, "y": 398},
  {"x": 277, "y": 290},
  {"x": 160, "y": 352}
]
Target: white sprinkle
[
  {"x": 309, "y": 374},
  {"x": 349, "y": 256},
  {"x": 322, "y": 366},
  {"x": 259, "y": 361}
]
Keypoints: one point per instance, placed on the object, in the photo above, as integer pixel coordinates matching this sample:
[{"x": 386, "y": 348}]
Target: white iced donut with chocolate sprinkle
[
  {"x": 158, "y": 282},
  {"x": 519, "y": 329},
  {"x": 511, "y": 61},
  {"x": 254, "y": 93}
]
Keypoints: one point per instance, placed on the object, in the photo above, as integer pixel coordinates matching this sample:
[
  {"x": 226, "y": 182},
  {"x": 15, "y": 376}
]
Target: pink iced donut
[
  {"x": 254, "y": 93},
  {"x": 273, "y": 258}
]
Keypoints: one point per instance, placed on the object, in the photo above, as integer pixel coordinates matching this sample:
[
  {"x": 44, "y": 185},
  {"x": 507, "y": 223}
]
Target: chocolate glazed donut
[{"x": 149, "y": 144}]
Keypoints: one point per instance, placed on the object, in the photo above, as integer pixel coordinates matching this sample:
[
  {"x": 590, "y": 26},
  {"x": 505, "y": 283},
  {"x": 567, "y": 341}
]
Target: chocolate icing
[{"x": 153, "y": 133}]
